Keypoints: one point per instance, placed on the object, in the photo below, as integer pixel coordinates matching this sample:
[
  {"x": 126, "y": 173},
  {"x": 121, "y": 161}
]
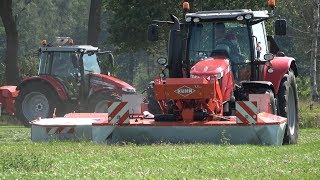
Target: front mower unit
[{"x": 250, "y": 126}]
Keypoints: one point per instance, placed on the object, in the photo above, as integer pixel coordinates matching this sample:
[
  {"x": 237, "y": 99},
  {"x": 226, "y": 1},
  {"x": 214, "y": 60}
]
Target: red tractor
[
  {"x": 69, "y": 79},
  {"x": 218, "y": 58}
]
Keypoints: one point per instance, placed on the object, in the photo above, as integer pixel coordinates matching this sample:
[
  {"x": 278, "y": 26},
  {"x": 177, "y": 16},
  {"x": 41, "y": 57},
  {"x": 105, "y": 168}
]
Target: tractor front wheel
[
  {"x": 99, "y": 102},
  {"x": 35, "y": 100},
  {"x": 288, "y": 107}
]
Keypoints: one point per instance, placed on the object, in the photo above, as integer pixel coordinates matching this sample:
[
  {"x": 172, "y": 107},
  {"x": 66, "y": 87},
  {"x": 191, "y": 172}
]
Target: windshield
[
  {"x": 90, "y": 63},
  {"x": 230, "y": 37}
]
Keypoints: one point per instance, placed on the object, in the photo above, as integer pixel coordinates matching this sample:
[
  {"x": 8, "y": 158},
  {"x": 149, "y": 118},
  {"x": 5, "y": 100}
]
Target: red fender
[
  {"x": 56, "y": 85},
  {"x": 280, "y": 66},
  {"x": 8, "y": 95}
]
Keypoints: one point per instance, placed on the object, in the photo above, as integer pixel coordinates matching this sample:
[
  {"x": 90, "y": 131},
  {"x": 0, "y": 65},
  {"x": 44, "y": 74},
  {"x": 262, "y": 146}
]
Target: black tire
[
  {"x": 36, "y": 100},
  {"x": 288, "y": 107},
  {"x": 153, "y": 105},
  {"x": 99, "y": 102},
  {"x": 272, "y": 101}
]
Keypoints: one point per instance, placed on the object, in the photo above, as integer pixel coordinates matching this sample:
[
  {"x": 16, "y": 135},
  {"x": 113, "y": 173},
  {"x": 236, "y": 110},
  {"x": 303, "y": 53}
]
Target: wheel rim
[
  {"x": 291, "y": 111},
  {"x": 35, "y": 105},
  {"x": 101, "y": 107}
]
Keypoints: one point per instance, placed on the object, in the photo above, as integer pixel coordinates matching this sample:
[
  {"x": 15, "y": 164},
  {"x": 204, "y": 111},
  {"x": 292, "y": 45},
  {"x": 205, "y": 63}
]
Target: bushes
[
  {"x": 303, "y": 83},
  {"x": 309, "y": 118}
]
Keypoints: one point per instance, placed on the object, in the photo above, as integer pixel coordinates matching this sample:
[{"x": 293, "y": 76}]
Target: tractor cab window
[
  {"x": 260, "y": 40},
  {"x": 205, "y": 37},
  {"x": 230, "y": 38},
  {"x": 44, "y": 67},
  {"x": 65, "y": 69},
  {"x": 64, "y": 64},
  {"x": 91, "y": 64}
]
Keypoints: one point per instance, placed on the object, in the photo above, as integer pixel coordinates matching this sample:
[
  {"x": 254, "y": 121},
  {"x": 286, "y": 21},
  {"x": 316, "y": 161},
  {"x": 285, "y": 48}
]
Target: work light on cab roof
[
  {"x": 272, "y": 3},
  {"x": 186, "y": 6},
  {"x": 59, "y": 41}
]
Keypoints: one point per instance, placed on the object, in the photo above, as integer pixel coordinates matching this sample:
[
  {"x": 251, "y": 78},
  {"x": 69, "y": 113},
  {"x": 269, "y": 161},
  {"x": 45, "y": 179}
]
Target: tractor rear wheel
[
  {"x": 35, "y": 100},
  {"x": 99, "y": 102},
  {"x": 288, "y": 107}
]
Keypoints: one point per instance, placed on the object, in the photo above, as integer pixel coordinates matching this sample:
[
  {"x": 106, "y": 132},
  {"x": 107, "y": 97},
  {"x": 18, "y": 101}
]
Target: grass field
[{"x": 23, "y": 159}]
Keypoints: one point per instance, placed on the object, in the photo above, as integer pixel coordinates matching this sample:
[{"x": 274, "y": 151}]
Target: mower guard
[{"x": 103, "y": 128}]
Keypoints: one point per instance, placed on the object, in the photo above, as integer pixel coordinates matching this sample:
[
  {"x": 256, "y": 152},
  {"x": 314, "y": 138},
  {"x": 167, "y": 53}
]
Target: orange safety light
[
  {"x": 70, "y": 41},
  {"x": 186, "y": 6},
  {"x": 272, "y": 3},
  {"x": 44, "y": 42}
]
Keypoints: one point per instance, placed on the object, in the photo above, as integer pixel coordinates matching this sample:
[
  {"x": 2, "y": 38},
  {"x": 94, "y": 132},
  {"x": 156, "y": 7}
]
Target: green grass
[{"x": 22, "y": 159}]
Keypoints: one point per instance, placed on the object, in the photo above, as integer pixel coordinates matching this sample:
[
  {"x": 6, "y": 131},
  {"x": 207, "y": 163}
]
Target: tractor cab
[
  {"x": 70, "y": 79},
  {"x": 71, "y": 65},
  {"x": 63, "y": 63},
  {"x": 237, "y": 35}
]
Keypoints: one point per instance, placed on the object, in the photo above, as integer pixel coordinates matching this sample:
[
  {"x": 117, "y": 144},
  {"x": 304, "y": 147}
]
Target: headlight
[
  {"x": 194, "y": 76},
  {"x": 127, "y": 90},
  {"x": 196, "y": 20},
  {"x": 240, "y": 18},
  {"x": 248, "y": 16},
  {"x": 218, "y": 76}
]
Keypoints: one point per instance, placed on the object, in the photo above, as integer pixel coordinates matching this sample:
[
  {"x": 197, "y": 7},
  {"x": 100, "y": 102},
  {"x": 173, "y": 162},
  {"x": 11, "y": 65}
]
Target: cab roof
[
  {"x": 72, "y": 48},
  {"x": 227, "y": 14}
]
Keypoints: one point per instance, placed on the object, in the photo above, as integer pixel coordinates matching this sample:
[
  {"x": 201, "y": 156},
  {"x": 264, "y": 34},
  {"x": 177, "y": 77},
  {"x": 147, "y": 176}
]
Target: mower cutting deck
[
  {"x": 120, "y": 125},
  {"x": 268, "y": 131}
]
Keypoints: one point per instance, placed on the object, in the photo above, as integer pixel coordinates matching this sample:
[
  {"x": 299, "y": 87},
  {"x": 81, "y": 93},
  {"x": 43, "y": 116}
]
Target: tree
[
  {"x": 11, "y": 57},
  {"x": 314, "y": 52},
  {"x": 303, "y": 29},
  {"x": 94, "y": 22}
]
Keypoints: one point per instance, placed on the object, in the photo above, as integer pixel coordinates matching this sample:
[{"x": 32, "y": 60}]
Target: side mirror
[
  {"x": 153, "y": 32},
  {"x": 280, "y": 26},
  {"x": 111, "y": 59}
]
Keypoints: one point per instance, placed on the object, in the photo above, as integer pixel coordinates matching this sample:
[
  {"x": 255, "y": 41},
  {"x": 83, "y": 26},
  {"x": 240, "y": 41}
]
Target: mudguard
[
  {"x": 93, "y": 93},
  {"x": 265, "y": 84},
  {"x": 8, "y": 95},
  {"x": 54, "y": 83},
  {"x": 280, "y": 66}
]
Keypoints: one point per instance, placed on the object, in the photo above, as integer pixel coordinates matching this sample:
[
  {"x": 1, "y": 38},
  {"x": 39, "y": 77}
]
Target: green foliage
[
  {"x": 303, "y": 85},
  {"x": 309, "y": 118},
  {"x": 40, "y": 20},
  {"x": 84, "y": 160}
]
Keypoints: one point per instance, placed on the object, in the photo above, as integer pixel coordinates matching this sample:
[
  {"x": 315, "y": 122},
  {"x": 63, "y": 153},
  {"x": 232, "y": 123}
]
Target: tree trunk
[
  {"x": 11, "y": 70},
  {"x": 314, "y": 54},
  {"x": 94, "y": 22}
]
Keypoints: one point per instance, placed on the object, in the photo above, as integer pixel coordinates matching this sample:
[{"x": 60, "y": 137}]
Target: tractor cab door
[
  {"x": 260, "y": 44},
  {"x": 90, "y": 66},
  {"x": 65, "y": 68}
]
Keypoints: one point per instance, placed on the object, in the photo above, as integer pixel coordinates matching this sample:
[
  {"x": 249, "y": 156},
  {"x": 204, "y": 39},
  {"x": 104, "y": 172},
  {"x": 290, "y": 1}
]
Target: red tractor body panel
[
  {"x": 7, "y": 98},
  {"x": 210, "y": 66},
  {"x": 219, "y": 68},
  {"x": 280, "y": 66},
  {"x": 184, "y": 88},
  {"x": 100, "y": 81}
]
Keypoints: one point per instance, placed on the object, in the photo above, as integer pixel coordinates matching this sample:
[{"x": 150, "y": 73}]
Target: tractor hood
[
  {"x": 212, "y": 66},
  {"x": 110, "y": 82}
]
